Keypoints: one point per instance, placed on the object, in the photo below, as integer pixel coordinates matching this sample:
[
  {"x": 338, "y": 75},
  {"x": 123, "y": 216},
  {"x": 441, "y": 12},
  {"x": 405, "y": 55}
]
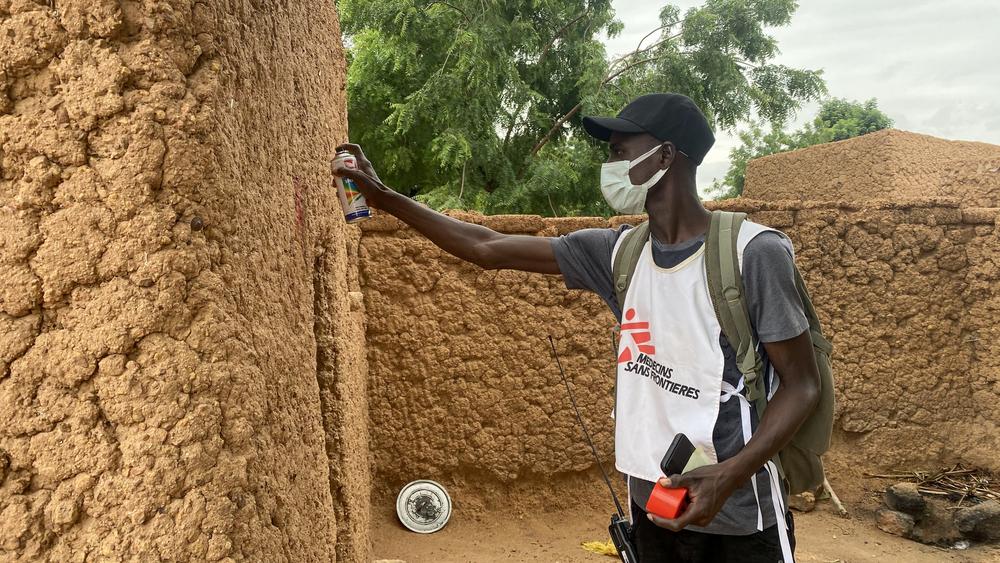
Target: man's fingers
[
  {"x": 356, "y": 175},
  {"x": 343, "y": 171},
  {"x": 661, "y": 522},
  {"x": 686, "y": 518},
  {"x": 351, "y": 148},
  {"x": 363, "y": 162},
  {"x": 673, "y": 525},
  {"x": 675, "y": 482},
  {"x": 357, "y": 151}
]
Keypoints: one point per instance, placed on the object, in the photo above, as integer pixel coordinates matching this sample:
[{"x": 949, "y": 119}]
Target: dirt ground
[
  {"x": 478, "y": 532},
  {"x": 823, "y": 537}
]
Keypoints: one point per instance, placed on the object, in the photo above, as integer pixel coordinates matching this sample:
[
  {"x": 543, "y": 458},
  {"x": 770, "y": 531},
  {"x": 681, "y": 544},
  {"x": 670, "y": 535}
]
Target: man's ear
[{"x": 668, "y": 153}]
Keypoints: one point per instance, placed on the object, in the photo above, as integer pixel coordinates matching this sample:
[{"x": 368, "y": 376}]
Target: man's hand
[
  {"x": 364, "y": 164},
  {"x": 473, "y": 243},
  {"x": 708, "y": 489},
  {"x": 365, "y": 176}
]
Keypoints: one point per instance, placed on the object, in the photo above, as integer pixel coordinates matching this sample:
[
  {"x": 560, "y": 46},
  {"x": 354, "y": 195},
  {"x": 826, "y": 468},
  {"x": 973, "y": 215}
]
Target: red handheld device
[
  {"x": 670, "y": 503},
  {"x": 667, "y": 503}
]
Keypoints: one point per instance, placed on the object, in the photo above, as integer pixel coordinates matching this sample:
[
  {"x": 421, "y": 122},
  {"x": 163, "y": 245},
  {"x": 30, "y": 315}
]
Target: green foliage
[
  {"x": 841, "y": 119},
  {"x": 837, "y": 120},
  {"x": 478, "y": 104}
]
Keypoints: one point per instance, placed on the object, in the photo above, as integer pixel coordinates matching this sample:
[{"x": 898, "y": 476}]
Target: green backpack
[{"x": 800, "y": 461}]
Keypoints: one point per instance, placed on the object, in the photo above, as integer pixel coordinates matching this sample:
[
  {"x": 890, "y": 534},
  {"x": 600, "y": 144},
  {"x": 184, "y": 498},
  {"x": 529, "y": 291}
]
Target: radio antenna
[{"x": 579, "y": 418}]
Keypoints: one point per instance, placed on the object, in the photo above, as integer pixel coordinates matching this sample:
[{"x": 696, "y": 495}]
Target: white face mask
[{"x": 621, "y": 194}]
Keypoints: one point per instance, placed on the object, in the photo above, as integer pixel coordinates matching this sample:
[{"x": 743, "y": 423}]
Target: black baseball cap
[{"x": 668, "y": 117}]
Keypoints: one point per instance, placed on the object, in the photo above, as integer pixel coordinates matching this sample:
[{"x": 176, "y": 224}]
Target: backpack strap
[
  {"x": 819, "y": 341},
  {"x": 626, "y": 259},
  {"x": 725, "y": 285},
  {"x": 622, "y": 268}
]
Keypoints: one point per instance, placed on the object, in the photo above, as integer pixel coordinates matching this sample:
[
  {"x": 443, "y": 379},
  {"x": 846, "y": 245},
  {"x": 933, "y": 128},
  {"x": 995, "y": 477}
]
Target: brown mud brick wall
[
  {"x": 461, "y": 378},
  {"x": 888, "y": 164},
  {"x": 910, "y": 292},
  {"x": 463, "y": 388},
  {"x": 173, "y": 285}
]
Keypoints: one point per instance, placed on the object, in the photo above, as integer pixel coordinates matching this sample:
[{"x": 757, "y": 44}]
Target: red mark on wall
[{"x": 300, "y": 204}]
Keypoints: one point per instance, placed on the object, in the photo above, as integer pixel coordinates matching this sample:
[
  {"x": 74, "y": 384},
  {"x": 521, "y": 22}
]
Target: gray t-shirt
[{"x": 776, "y": 313}]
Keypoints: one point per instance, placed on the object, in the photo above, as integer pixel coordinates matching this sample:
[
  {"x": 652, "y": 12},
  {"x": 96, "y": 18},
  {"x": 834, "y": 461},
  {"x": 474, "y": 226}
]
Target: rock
[
  {"x": 893, "y": 522},
  {"x": 14, "y": 523},
  {"x": 937, "y": 524},
  {"x": 804, "y": 502},
  {"x": 357, "y": 301},
  {"x": 981, "y": 522},
  {"x": 905, "y": 497}
]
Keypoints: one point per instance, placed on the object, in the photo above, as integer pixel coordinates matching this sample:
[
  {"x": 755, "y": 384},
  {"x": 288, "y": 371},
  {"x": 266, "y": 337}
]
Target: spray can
[{"x": 355, "y": 207}]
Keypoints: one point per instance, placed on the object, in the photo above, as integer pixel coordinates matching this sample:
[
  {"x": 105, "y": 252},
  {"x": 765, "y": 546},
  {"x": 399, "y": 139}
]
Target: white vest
[
  {"x": 670, "y": 362},
  {"x": 670, "y": 368}
]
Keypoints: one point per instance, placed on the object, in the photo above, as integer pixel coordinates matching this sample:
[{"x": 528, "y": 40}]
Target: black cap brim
[{"x": 602, "y": 127}]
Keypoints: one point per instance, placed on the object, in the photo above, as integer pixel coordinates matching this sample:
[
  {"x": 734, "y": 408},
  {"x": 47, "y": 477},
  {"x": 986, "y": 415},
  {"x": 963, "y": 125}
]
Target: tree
[
  {"x": 842, "y": 119},
  {"x": 837, "y": 120},
  {"x": 478, "y": 104}
]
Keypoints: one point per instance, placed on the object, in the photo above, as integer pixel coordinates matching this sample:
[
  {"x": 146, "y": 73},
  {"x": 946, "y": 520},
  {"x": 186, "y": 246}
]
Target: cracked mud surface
[{"x": 164, "y": 195}]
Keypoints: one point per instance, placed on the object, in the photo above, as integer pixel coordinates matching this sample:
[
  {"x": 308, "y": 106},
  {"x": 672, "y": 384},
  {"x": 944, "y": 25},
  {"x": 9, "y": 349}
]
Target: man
[{"x": 738, "y": 506}]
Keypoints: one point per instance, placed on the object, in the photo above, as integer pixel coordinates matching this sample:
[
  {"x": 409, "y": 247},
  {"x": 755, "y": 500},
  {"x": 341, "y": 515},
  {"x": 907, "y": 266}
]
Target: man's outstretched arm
[{"x": 473, "y": 243}]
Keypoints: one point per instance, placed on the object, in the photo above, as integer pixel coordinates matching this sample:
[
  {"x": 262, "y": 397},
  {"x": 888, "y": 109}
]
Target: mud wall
[
  {"x": 888, "y": 164},
  {"x": 163, "y": 210},
  {"x": 462, "y": 385},
  {"x": 461, "y": 378}
]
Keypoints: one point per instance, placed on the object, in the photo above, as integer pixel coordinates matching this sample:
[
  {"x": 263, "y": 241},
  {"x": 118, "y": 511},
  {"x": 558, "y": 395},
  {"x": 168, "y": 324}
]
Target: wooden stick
[
  {"x": 933, "y": 492},
  {"x": 918, "y": 474},
  {"x": 836, "y": 500}
]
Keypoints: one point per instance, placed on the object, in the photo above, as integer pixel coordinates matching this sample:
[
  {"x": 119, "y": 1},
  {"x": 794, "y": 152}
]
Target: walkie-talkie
[
  {"x": 620, "y": 528},
  {"x": 621, "y": 535}
]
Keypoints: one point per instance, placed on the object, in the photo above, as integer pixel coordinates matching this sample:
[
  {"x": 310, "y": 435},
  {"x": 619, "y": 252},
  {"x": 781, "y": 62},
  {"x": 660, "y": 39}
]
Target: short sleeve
[
  {"x": 584, "y": 259},
  {"x": 773, "y": 301}
]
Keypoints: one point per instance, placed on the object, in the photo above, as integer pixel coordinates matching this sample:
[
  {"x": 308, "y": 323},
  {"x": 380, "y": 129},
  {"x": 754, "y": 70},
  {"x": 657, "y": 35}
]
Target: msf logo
[{"x": 639, "y": 338}]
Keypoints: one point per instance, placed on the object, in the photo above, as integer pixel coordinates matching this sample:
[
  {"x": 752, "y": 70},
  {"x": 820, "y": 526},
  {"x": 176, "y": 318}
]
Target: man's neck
[{"x": 676, "y": 213}]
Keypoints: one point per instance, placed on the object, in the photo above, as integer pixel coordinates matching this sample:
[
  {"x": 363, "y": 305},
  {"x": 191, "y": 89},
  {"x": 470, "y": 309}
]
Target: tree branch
[
  {"x": 558, "y": 35},
  {"x": 451, "y": 50},
  {"x": 555, "y": 128},
  {"x": 562, "y": 120},
  {"x": 462, "y": 189},
  {"x": 638, "y": 52},
  {"x": 630, "y": 67},
  {"x": 452, "y": 6},
  {"x": 648, "y": 35},
  {"x": 515, "y": 119},
  {"x": 620, "y": 91},
  {"x": 551, "y": 205},
  {"x": 607, "y": 80},
  {"x": 541, "y": 58}
]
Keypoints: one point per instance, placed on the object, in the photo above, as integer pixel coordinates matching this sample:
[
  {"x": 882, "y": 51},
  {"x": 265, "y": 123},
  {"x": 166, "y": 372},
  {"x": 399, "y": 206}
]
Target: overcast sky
[{"x": 934, "y": 66}]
